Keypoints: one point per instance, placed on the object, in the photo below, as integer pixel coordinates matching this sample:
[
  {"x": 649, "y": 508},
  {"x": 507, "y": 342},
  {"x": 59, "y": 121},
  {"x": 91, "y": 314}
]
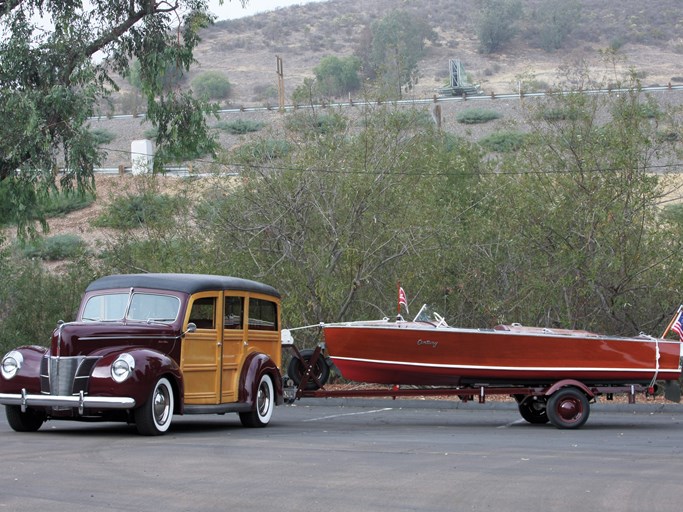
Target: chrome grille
[{"x": 65, "y": 376}]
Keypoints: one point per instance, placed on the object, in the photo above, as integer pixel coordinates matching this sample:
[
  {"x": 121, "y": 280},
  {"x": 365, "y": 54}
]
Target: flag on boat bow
[{"x": 402, "y": 300}]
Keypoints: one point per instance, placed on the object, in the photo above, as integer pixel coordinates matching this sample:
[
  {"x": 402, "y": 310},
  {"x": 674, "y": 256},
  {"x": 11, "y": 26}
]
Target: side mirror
[{"x": 191, "y": 327}]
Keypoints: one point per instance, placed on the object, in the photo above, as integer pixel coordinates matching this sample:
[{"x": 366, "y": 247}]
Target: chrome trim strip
[
  {"x": 518, "y": 369},
  {"x": 128, "y": 337},
  {"x": 81, "y": 402}
]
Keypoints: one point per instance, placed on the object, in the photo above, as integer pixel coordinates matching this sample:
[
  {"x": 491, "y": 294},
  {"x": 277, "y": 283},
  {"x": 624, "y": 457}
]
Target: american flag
[{"x": 677, "y": 327}]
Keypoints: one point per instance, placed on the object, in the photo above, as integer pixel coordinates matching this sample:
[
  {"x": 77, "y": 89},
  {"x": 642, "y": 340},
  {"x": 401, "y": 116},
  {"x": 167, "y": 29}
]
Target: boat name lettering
[{"x": 433, "y": 344}]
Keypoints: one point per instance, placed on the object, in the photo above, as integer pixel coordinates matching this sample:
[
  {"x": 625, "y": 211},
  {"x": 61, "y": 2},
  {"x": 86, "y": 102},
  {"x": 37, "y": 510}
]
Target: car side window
[
  {"x": 234, "y": 313},
  {"x": 262, "y": 315},
  {"x": 203, "y": 313}
]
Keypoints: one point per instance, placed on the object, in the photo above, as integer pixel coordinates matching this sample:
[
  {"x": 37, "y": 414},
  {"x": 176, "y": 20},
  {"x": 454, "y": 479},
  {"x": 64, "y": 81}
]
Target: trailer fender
[{"x": 569, "y": 383}]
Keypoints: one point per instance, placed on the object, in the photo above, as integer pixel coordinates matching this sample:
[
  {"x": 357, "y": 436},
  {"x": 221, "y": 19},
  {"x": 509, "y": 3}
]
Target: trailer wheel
[
  {"x": 534, "y": 410},
  {"x": 568, "y": 408},
  {"x": 297, "y": 368},
  {"x": 29, "y": 421}
]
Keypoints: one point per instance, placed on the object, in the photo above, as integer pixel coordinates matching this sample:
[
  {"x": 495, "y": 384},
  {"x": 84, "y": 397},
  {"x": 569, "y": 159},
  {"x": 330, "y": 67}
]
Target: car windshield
[{"x": 146, "y": 307}]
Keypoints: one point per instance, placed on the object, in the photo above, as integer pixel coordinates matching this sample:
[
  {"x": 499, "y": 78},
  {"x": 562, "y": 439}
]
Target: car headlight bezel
[
  {"x": 11, "y": 364},
  {"x": 122, "y": 368}
]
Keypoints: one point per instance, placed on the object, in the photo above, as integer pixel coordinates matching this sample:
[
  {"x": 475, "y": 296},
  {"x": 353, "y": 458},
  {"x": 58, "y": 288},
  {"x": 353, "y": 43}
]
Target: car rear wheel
[
  {"x": 29, "y": 421},
  {"x": 154, "y": 417},
  {"x": 265, "y": 403}
]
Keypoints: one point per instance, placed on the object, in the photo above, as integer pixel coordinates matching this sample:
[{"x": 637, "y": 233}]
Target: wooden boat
[{"x": 428, "y": 352}]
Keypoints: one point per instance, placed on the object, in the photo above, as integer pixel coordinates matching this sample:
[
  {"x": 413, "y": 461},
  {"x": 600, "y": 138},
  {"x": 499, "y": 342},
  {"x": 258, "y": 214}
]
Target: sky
[{"x": 233, "y": 8}]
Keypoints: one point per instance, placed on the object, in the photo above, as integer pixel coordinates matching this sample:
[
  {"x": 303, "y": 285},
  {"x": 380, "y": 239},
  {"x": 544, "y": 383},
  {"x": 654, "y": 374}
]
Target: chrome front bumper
[{"x": 79, "y": 401}]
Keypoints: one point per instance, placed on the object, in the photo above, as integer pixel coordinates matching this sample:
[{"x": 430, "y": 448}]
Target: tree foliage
[
  {"x": 56, "y": 61},
  {"x": 212, "y": 85},
  {"x": 337, "y": 76},
  {"x": 570, "y": 232},
  {"x": 397, "y": 44},
  {"x": 497, "y": 23},
  {"x": 554, "y": 21}
]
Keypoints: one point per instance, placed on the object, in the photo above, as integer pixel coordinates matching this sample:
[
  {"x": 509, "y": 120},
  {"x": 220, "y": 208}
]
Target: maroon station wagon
[{"x": 147, "y": 346}]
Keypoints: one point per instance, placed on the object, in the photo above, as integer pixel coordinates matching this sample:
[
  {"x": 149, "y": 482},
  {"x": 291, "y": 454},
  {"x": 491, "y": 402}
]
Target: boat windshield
[
  {"x": 141, "y": 307},
  {"x": 427, "y": 314}
]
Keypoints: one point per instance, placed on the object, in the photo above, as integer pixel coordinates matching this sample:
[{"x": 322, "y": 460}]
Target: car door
[
  {"x": 263, "y": 327},
  {"x": 202, "y": 350},
  {"x": 234, "y": 340}
]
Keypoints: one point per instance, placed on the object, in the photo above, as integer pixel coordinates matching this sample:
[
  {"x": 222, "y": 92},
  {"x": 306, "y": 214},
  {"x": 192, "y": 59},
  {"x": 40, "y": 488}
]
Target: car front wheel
[
  {"x": 265, "y": 403},
  {"x": 154, "y": 417},
  {"x": 29, "y": 421}
]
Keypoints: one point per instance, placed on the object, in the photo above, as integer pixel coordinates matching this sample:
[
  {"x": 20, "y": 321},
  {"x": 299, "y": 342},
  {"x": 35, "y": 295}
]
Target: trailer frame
[{"x": 564, "y": 403}]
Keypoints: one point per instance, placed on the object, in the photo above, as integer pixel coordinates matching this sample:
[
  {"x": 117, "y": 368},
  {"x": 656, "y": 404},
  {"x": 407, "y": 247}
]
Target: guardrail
[{"x": 417, "y": 101}]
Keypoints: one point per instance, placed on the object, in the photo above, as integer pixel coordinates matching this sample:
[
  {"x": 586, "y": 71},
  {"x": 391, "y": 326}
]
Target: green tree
[
  {"x": 337, "y": 76},
  {"x": 497, "y": 23},
  {"x": 33, "y": 299},
  {"x": 398, "y": 42},
  {"x": 342, "y": 220},
  {"x": 212, "y": 85},
  {"x": 569, "y": 232},
  {"x": 167, "y": 79},
  {"x": 554, "y": 21},
  {"x": 51, "y": 84}
]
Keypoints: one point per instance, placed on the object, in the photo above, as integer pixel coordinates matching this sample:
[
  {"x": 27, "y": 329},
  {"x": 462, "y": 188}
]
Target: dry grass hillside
[{"x": 648, "y": 37}]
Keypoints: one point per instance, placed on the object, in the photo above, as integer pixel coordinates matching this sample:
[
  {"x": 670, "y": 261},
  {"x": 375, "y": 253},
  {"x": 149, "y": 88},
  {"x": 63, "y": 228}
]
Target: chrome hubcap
[{"x": 161, "y": 402}]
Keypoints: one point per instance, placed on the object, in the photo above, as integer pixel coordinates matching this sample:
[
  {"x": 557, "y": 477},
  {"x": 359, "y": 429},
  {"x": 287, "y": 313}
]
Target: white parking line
[{"x": 348, "y": 414}]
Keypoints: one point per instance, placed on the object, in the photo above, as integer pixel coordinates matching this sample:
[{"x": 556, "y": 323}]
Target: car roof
[{"x": 188, "y": 283}]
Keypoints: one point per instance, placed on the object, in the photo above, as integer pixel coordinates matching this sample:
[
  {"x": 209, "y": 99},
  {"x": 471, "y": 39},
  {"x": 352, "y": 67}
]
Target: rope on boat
[
  {"x": 321, "y": 324},
  {"x": 654, "y": 377}
]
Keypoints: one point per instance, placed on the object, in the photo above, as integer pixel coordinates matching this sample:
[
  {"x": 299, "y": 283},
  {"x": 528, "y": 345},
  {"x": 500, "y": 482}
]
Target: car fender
[
  {"x": 28, "y": 376},
  {"x": 150, "y": 365},
  {"x": 254, "y": 367}
]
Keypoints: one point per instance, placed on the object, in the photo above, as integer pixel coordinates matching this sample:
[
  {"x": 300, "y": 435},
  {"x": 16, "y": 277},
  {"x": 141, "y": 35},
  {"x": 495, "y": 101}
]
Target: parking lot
[{"x": 363, "y": 455}]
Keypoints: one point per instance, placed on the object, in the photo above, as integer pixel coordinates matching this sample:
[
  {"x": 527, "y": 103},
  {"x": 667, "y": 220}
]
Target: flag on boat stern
[{"x": 677, "y": 326}]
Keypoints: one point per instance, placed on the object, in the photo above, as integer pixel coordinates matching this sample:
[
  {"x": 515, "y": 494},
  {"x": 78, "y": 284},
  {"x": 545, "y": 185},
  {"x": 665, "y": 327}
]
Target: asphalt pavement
[{"x": 354, "y": 455}]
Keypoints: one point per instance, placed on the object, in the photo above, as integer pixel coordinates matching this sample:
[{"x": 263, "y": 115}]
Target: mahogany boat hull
[{"x": 416, "y": 353}]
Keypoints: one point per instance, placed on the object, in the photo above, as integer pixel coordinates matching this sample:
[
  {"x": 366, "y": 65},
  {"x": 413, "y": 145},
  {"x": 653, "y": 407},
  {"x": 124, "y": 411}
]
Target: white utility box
[{"x": 142, "y": 156}]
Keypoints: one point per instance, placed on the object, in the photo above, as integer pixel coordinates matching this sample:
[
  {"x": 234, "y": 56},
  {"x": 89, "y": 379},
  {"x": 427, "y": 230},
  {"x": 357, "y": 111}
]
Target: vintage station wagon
[{"x": 147, "y": 346}]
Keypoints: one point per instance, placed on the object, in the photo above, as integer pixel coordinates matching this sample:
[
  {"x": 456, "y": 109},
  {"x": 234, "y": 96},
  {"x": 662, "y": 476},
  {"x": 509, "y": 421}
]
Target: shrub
[
  {"x": 33, "y": 300},
  {"x": 239, "y": 126},
  {"x": 57, "y": 205},
  {"x": 54, "y": 248},
  {"x": 315, "y": 124},
  {"x": 212, "y": 85},
  {"x": 503, "y": 142},
  {"x": 337, "y": 76},
  {"x": 476, "y": 116},
  {"x": 50, "y": 205},
  {"x": 262, "y": 150},
  {"x": 102, "y": 136},
  {"x": 133, "y": 211},
  {"x": 559, "y": 114}
]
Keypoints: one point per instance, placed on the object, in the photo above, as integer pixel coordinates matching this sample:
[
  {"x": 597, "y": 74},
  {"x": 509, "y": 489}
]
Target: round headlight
[
  {"x": 122, "y": 368},
  {"x": 11, "y": 364}
]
